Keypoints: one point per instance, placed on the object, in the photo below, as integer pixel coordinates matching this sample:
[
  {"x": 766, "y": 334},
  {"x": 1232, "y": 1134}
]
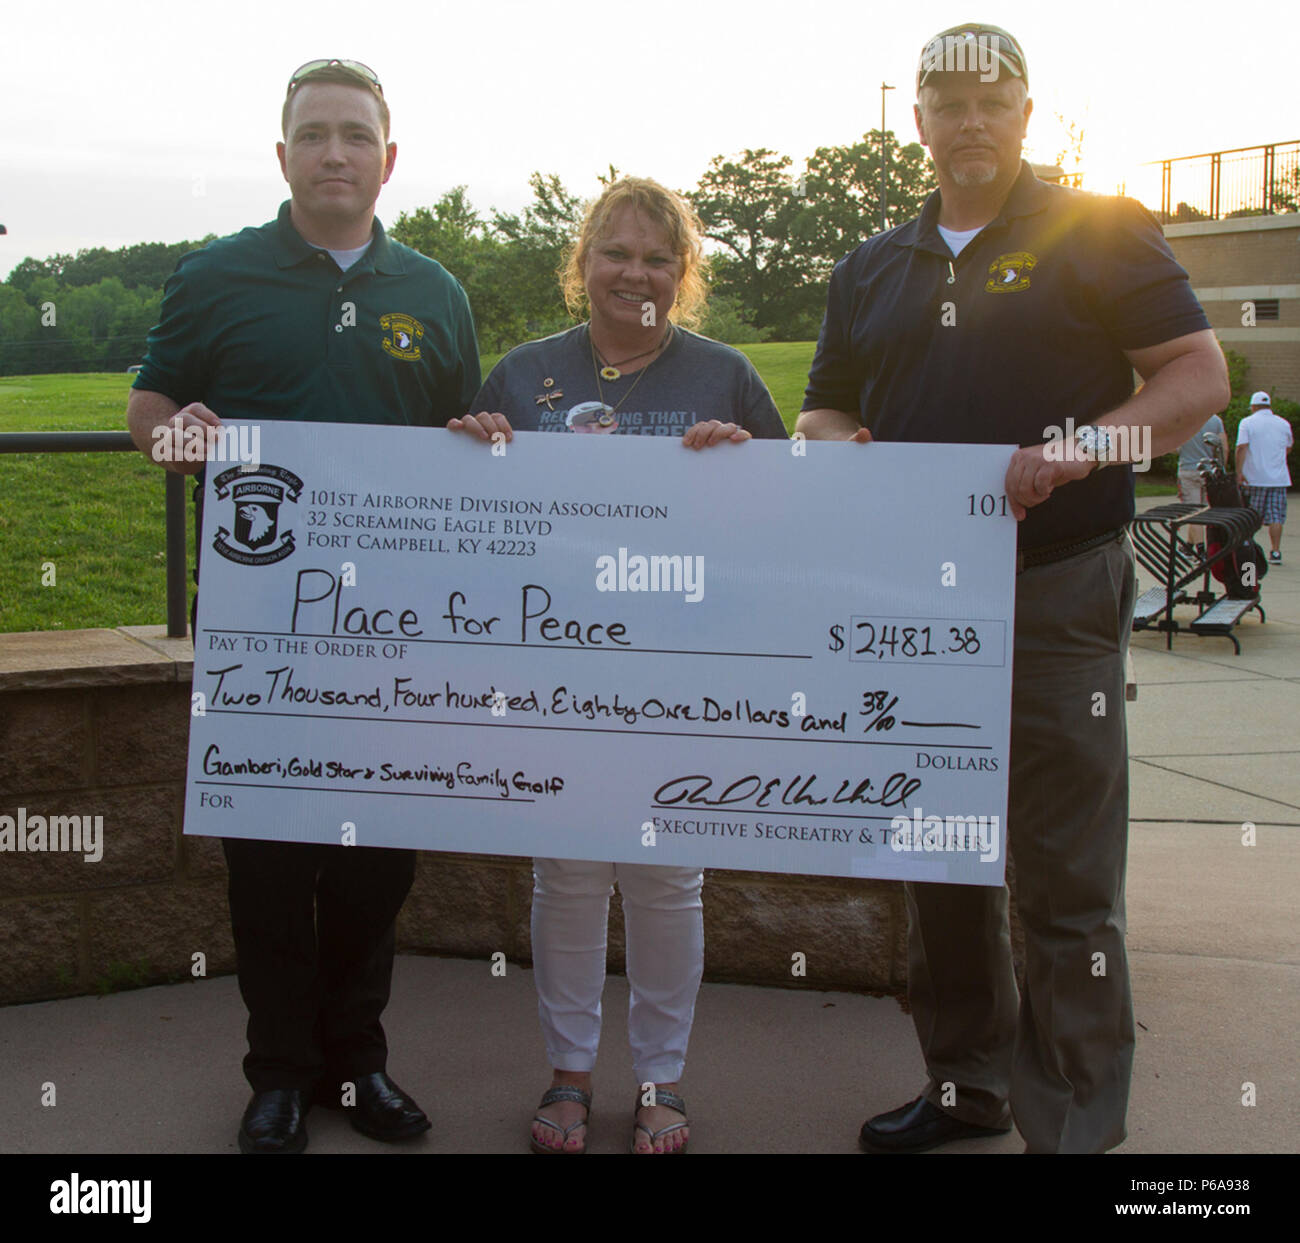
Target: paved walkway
[{"x": 1215, "y": 742}]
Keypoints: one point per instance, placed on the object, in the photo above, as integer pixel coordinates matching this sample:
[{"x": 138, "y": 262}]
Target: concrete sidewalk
[{"x": 1214, "y": 741}]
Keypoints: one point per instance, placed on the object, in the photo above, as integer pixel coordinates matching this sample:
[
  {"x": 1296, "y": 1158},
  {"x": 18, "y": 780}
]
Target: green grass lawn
[
  {"x": 99, "y": 516},
  {"x": 784, "y": 368}
]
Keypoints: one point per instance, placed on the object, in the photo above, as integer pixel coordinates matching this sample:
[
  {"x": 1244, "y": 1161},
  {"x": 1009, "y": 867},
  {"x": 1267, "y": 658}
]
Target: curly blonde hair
[{"x": 665, "y": 208}]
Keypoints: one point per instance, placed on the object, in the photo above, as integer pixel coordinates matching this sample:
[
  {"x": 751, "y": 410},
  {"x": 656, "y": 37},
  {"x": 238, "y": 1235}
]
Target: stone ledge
[
  {"x": 1240, "y": 224},
  {"x": 69, "y": 659},
  {"x": 181, "y": 651}
]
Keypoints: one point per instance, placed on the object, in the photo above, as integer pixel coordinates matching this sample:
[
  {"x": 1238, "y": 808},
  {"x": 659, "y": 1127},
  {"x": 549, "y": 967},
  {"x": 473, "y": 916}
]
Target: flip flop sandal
[
  {"x": 672, "y": 1101},
  {"x": 550, "y": 1097}
]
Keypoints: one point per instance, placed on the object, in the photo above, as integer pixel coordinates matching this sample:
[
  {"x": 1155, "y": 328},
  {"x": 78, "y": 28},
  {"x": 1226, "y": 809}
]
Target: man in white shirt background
[{"x": 1263, "y": 439}]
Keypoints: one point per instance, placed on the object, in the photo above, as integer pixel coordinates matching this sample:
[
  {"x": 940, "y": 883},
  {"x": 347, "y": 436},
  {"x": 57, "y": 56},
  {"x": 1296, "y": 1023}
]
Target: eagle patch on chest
[
  {"x": 402, "y": 334},
  {"x": 1010, "y": 273}
]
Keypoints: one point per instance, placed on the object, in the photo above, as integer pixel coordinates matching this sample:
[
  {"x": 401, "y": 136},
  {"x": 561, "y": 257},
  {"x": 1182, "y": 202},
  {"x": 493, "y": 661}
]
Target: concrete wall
[
  {"x": 95, "y": 722},
  {"x": 1236, "y": 261}
]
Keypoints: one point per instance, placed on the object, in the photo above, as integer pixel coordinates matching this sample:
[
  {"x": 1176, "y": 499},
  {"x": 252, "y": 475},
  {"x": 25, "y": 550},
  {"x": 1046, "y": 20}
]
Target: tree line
[{"x": 773, "y": 235}]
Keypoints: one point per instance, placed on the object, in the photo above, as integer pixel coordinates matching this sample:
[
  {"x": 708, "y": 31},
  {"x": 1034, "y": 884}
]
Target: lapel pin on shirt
[{"x": 550, "y": 395}]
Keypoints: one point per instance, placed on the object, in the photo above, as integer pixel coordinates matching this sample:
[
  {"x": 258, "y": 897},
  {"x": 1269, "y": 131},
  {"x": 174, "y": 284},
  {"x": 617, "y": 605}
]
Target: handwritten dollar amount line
[
  {"x": 878, "y": 707},
  {"x": 917, "y": 639}
]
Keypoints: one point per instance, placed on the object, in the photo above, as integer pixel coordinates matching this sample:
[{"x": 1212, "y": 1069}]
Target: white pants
[{"x": 663, "y": 915}]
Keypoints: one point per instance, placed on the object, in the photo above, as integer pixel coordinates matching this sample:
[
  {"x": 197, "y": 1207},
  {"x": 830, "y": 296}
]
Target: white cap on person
[{"x": 1260, "y": 399}]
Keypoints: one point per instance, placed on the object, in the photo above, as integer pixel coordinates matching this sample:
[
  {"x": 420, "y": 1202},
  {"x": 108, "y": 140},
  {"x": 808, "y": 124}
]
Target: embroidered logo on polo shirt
[
  {"x": 401, "y": 335},
  {"x": 1010, "y": 273}
]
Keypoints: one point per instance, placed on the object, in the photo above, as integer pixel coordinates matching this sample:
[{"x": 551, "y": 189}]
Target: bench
[
  {"x": 1222, "y": 617},
  {"x": 1151, "y": 604},
  {"x": 1168, "y": 558}
]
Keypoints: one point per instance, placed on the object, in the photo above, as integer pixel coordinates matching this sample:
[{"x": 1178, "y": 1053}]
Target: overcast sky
[{"x": 147, "y": 121}]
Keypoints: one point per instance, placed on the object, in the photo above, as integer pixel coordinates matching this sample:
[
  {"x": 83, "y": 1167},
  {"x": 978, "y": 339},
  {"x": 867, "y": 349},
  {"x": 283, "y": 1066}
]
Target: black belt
[{"x": 1066, "y": 548}]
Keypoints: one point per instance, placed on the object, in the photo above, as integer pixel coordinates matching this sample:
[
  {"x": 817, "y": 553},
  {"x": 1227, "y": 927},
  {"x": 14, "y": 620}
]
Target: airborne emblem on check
[
  {"x": 257, "y": 497},
  {"x": 1010, "y": 273},
  {"x": 402, "y": 334}
]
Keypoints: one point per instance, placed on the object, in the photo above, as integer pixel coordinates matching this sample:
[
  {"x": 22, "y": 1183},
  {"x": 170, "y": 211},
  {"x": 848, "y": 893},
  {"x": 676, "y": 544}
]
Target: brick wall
[
  {"x": 1235, "y": 261},
  {"x": 1223, "y": 252}
]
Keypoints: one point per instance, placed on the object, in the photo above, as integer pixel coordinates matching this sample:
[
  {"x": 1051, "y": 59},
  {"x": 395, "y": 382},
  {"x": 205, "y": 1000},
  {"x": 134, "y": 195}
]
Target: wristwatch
[{"x": 1095, "y": 444}]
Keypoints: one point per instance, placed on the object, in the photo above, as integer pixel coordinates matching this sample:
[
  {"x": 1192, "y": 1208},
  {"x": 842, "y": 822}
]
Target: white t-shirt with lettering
[{"x": 1268, "y": 436}]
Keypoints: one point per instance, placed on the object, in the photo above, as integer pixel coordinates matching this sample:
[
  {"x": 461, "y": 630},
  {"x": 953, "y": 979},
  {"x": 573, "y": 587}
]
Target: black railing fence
[
  {"x": 121, "y": 442},
  {"x": 1217, "y": 185}
]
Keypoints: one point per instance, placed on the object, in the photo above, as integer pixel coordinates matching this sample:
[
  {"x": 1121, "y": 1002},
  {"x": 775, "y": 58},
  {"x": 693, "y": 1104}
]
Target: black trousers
[{"x": 315, "y": 928}]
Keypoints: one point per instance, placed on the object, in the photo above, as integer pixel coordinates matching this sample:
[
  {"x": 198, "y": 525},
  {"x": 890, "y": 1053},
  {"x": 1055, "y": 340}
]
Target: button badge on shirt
[{"x": 592, "y": 418}]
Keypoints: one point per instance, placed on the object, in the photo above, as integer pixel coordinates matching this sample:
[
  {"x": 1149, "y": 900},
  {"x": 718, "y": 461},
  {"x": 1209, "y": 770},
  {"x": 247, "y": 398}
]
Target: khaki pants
[
  {"x": 1191, "y": 490},
  {"x": 1058, "y": 1058}
]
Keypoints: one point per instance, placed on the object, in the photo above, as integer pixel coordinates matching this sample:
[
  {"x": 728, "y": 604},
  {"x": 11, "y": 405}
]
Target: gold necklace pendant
[{"x": 610, "y": 373}]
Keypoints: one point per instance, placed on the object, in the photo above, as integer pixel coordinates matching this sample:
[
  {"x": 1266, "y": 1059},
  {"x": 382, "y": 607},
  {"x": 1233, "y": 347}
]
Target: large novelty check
[{"x": 789, "y": 657}]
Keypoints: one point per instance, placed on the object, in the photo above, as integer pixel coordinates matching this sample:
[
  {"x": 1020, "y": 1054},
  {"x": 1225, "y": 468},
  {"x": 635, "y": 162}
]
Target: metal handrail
[
  {"x": 121, "y": 442},
  {"x": 1238, "y": 180},
  {"x": 1205, "y": 155}
]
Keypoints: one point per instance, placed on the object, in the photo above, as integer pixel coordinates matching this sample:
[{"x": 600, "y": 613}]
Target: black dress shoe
[
  {"x": 917, "y": 1127},
  {"x": 383, "y": 1111},
  {"x": 273, "y": 1122}
]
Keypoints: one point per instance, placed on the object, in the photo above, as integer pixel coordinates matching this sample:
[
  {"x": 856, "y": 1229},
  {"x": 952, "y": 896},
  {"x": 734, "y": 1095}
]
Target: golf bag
[{"x": 1221, "y": 491}]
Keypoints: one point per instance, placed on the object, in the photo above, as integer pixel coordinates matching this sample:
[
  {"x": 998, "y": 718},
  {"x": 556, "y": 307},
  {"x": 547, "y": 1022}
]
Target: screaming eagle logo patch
[
  {"x": 1010, "y": 273},
  {"x": 260, "y": 537},
  {"x": 402, "y": 336}
]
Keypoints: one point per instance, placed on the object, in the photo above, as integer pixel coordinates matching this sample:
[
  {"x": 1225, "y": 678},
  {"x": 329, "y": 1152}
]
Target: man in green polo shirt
[{"x": 318, "y": 317}]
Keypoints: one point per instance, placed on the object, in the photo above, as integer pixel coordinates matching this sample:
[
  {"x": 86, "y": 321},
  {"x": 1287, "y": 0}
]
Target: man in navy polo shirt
[
  {"x": 1008, "y": 308},
  {"x": 317, "y": 316}
]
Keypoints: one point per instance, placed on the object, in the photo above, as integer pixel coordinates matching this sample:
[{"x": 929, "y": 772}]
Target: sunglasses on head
[
  {"x": 351, "y": 66},
  {"x": 1003, "y": 46}
]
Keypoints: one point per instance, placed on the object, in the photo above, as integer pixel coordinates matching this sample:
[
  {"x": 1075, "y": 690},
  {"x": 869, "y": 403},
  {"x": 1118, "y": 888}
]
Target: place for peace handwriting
[{"x": 312, "y": 611}]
